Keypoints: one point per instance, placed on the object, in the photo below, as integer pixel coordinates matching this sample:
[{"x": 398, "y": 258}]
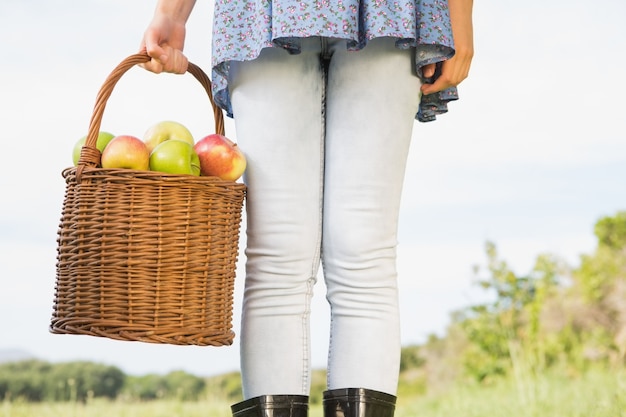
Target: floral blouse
[{"x": 242, "y": 28}]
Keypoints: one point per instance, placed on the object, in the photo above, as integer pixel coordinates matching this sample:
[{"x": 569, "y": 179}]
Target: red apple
[
  {"x": 126, "y": 151},
  {"x": 220, "y": 157},
  {"x": 166, "y": 130}
]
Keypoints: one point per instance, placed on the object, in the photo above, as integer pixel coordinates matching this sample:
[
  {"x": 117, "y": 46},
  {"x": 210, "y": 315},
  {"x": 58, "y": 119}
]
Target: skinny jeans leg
[
  {"x": 372, "y": 98},
  {"x": 326, "y": 134}
]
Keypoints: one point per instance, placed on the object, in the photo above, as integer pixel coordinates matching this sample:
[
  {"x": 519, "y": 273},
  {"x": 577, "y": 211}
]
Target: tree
[
  {"x": 72, "y": 381},
  {"x": 599, "y": 271},
  {"x": 611, "y": 231},
  {"x": 410, "y": 358},
  {"x": 177, "y": 384},
  {"x": 36, "y": 380},
  {"x": 184, "y": 386},
  {"x": 600, "y": 283},
  {"x": 510, "y": 323},
  {"x": 24, "y": 379}
]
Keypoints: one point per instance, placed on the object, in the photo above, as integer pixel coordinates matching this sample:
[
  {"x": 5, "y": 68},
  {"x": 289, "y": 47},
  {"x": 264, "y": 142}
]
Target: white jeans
[{"x": 326, "y": 134}]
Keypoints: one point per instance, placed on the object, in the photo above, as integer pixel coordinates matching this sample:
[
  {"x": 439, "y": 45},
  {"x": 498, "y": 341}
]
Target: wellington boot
[
  {"x": 273, "y": 406},
  {"x": 358, "y": 402}
]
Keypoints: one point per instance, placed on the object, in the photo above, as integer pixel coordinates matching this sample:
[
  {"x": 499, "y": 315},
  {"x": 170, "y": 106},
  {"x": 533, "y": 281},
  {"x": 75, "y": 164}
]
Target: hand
[
  {"x": 163, "y": 41},
  {"x": 456, "y": 69}
]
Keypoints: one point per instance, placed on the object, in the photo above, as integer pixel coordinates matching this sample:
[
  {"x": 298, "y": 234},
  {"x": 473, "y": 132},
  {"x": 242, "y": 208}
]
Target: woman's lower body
[{"x": 326, "y": 134}]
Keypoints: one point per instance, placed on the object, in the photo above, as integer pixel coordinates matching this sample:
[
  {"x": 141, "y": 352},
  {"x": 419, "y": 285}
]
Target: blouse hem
[{"x": 430, "y": 107}]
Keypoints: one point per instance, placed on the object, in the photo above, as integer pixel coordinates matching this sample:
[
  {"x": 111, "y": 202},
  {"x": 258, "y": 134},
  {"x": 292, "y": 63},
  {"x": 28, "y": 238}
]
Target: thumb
[{"x": 428, "y": 70}]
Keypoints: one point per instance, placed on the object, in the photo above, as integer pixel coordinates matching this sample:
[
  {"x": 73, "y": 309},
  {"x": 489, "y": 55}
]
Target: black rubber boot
[
  {"x": 358, "y": 402},
  {"x": 273, "y": 406}
]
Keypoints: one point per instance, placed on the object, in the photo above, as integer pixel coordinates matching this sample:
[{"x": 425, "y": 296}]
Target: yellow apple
[{"x": 166, "y": 130}]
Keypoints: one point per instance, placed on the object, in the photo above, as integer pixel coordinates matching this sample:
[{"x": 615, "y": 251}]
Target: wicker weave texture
[{"x": 146, "y": 256}]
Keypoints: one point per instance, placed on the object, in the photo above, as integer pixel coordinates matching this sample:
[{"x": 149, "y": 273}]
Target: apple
[
  {"x": 175, "y": 157},
  {"x": 220, "y": 157},
  {"x": 126, "y": 151},
  {"x": 103, "y": 139},
  {"x": 166, "y": 130}
]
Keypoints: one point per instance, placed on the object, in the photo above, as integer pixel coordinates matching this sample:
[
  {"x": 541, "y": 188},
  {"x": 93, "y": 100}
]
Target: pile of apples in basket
[{"x": 169, "y": 147}]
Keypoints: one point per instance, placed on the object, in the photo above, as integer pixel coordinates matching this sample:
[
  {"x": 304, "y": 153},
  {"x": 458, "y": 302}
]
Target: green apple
[
  {"x": 166, "y": 130},
  {"x": 175, "y": 157},
  {"x": 103, "y": 139},
  {"x": 126, "y": 151}
]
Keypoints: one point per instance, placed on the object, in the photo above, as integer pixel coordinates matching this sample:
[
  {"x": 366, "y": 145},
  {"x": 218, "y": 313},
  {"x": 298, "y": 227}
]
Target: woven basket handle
[{"x": 90, "y": 155}]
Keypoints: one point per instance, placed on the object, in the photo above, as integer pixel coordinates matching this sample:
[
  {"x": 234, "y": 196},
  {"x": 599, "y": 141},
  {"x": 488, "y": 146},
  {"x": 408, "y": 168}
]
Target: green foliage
[
  {"x": 410, "y": 358},
  {"x": 184, "y": 386},
  {"x": 611, "y": 231},
  {"x": 594, "y": 276},
  {"x": 511, "y": 317},
  {"x": 596, "y": 393},
  {"x": 552, "y": 316},
  {"x": 599, "y": 271},
  {"x": 145, "y": 387},
  {"x": 177, "y": 385},
  {"x": 35, "y": 380},
  {"x": 318, "y": 385},
  {"x": 79, "y": 380},
  {"x": 226, "y": 386},
  {"x": 24, "y": 380},
  {"x": 601, "y": 287}
]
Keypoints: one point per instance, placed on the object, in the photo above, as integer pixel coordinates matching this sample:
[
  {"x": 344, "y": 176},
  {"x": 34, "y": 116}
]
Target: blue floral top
[{"x": 242, "y": 28}]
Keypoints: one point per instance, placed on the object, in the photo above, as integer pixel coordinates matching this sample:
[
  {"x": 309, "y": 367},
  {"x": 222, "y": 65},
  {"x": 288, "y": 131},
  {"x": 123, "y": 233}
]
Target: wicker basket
[{"x": 146, "y": 256}]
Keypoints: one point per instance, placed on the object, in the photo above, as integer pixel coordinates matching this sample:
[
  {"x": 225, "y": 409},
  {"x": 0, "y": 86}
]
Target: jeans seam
[
  {"x": 306, "y": 360},
  {"x": 324, "y": 67},
  {"x": 317, "y": 256}
]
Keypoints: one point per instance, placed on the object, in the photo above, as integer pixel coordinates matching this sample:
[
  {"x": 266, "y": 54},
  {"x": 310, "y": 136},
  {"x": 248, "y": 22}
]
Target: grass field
[{"x": 594, "y": 394}]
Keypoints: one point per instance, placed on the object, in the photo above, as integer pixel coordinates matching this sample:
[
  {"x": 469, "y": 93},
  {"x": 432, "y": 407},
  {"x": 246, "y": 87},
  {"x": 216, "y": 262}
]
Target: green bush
[{"x": 35, "y": 380}]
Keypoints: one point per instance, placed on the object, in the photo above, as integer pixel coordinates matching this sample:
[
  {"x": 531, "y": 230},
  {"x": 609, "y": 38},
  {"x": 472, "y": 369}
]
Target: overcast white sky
[{"x": 530, "y": 157}]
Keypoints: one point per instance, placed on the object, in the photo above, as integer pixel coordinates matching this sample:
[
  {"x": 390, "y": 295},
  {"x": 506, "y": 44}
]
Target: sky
[{"x": 530, "y": 157}]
